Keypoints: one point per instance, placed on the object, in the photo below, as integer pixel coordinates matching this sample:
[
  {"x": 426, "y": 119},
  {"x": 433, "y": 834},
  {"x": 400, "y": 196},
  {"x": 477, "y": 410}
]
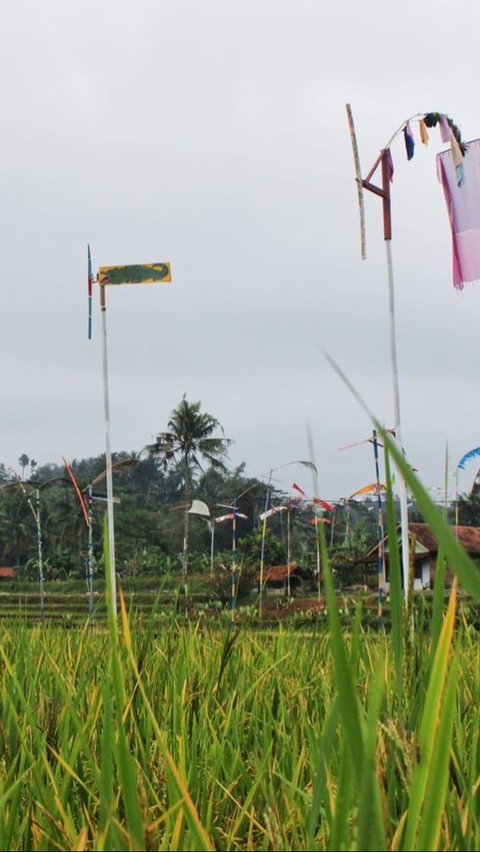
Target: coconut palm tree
[
  {"x": 23, "y": 462},
  {"x": 189, "y": 441}
]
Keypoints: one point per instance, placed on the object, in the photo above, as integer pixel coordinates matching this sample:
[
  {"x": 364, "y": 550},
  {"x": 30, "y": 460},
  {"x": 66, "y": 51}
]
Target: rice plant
[{"x": 143, "y": 735}]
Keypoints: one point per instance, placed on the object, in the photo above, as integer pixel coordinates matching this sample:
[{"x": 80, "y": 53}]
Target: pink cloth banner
[{"x": 463, "y": 203}]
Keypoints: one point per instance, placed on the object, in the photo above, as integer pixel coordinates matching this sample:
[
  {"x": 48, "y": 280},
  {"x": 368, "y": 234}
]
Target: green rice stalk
[{"x": 428, "y": 729}]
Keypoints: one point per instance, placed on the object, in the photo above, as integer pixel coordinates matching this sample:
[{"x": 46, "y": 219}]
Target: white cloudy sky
[{"x": 213, "y": 134}]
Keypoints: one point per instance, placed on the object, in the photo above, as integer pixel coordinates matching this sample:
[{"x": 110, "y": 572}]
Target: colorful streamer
[
  {"x": 297, "y": 488},
  {"x": 328, "y": 506},
  {"x": 273, "y": 511},
  {"x": 470, "y": 455},
  {"x": 230, "y": 517},
  {"x": 368, "y": 489},
  {"x": 409, "y": 140}
]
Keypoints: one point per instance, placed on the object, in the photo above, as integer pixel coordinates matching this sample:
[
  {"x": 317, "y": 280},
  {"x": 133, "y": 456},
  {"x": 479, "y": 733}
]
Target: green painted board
[{"x": 140, "y": 273}]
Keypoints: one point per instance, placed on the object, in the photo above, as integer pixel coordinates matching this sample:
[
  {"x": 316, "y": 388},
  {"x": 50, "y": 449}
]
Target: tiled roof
[
  {"x": 277, "y": 573},
  {"x": 8, "y": 573},
  {"x": 469, "y": 538}
]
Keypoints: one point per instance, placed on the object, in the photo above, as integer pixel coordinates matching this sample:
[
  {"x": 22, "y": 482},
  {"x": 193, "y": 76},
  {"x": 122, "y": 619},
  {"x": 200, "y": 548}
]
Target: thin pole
[
  {"x": 262, "y": 551},
  {"x": 381, "y": 531},
  {"x": 396, "y": 409},
  {"x": 212, "y": 544},
  {"x": 289, "y": 549},
  {"x": 40, "y": 556},
  {"x": 346, "y": 541},
  {"x": 446, "y": 484},
  {"x": 90, "y": 554},
  {"x": 456, "y": 500},
  {"x": 319, "y": 579},
  {"x": 234, "y": 565},
  {"x": 185, "y": 556},
  {"x": 108, "y": 453}
]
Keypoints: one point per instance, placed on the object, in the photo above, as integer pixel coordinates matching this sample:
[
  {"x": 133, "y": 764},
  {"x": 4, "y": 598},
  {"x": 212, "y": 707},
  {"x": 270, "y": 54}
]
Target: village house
[
  {"x": 425, "y": 547},
  {"x": 276, "y": 579},
  {"x": 8, "y": 574}
]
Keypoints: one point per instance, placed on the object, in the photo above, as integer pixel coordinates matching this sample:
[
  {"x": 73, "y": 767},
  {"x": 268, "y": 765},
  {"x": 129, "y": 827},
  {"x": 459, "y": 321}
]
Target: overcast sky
[{"x": 212, "y": 134}]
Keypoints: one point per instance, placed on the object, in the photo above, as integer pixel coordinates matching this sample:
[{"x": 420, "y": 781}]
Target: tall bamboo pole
[
  {"x": 212, "y": 543},
  {"x": 233, "y": 569},
  {"x": 262, "y": 550},
  {"x": 40, "y": 555},
  {"x": 396, "y": 407},
  {"x": 384, "y": 162},
  {"x": 90, "y": 553},
  {"x": 456, "y": 500},
  {"x": 289, "y": 549},
  {"x": 381, "y": 530},
  {"x": 108, "y": 453}
]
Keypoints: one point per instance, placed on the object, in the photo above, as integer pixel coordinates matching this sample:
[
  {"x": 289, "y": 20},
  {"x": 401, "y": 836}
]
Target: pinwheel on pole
[
  {"x": 233, "y": 515},
  {"x": 34, "y": 505},
  {"x": 378, "y": 489},
  {"x": 318, "y": 506},
  {"x": 266, "y": 514},
  {"x": 193, "y": 507},
  {"x": 316, "y": 521},
  {"x": 459, "y": 173},
  {"x": 86, "y": 497},
  {"x": 146, "y": 273}
]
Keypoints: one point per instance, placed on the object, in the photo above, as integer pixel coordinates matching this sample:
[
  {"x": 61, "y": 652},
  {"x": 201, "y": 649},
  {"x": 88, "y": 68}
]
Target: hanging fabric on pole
[
  {"x": 409, "y": 140},
  {"x": 463, "y": 204}
]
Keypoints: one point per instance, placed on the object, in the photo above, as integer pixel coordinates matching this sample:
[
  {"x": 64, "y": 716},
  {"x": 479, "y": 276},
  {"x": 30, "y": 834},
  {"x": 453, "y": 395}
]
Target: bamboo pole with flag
[
  {"x": 35, "y": 510},
  {"x": 263, "y": 518},
  {"x": 146, "y": 273},
  {"x": 449, "y": 132}
]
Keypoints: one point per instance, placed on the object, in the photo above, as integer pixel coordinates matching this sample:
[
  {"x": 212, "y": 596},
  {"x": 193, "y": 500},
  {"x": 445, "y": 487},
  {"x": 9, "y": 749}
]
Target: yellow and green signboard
[{"x": 139, "y": 273}]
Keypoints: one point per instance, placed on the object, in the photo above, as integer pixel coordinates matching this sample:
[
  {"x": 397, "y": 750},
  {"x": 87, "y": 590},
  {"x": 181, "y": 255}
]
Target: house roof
[
  {"x": 8, "y": 573},
  {"x": 469, "y": 537},
  {"x": 278, "y": 573},
  {"x": 425, "y": 541}
]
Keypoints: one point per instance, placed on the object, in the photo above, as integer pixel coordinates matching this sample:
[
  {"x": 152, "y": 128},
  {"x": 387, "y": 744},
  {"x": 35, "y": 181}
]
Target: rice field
[
  {"x": 207, "y": 739},
  {"x": 180, "y": 736}
]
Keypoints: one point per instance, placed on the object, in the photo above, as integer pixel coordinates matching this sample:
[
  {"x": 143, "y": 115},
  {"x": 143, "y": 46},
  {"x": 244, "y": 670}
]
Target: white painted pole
[
  {"x": 212, "y": 543},
  {"x": 456, "y": 501},
  {"x": 289, "y": 550},
  {"x": 40, "y": 557},
  {"x": 90, "y": 554},
  {"x": 108, "y": 453},
  {"x": 398, "y": 431}
]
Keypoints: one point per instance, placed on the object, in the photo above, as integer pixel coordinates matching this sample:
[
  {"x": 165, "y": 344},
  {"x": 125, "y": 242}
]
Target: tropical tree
[
  {"x": 23, "y": 462},
  {"x": 189, "y": 441}
]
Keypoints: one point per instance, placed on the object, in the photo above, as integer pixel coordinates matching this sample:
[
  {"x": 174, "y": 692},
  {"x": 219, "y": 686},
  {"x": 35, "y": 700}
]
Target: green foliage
[
  {"x": 469, "y": 507},
  {"x": 250, "y": 548}
]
